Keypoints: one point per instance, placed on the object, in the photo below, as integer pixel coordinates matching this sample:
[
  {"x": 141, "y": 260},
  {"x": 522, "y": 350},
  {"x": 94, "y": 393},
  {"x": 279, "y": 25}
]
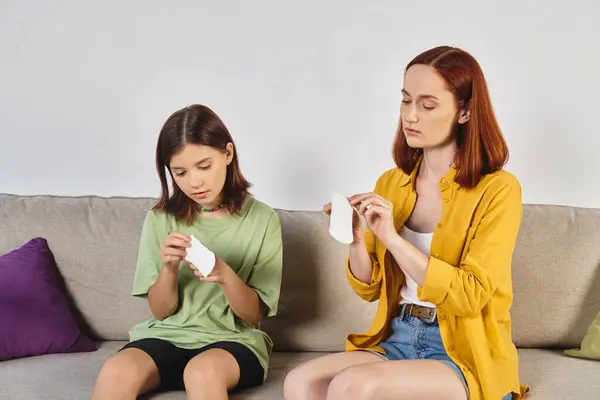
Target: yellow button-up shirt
[{"x": 468, "y": 277}]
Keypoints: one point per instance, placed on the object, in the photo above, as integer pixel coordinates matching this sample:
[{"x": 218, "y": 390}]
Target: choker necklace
[{"x": 209, "y": 210}]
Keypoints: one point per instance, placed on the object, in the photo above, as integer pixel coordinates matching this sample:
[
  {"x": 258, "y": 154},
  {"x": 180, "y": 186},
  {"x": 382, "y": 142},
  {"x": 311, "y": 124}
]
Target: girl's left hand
[
  {"x": 220, "y": 273},
  {"x": 378, "y": 213}
]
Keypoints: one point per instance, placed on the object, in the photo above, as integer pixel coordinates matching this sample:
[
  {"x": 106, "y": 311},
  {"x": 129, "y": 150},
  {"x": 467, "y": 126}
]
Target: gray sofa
[{"x": 556, "y": 277}]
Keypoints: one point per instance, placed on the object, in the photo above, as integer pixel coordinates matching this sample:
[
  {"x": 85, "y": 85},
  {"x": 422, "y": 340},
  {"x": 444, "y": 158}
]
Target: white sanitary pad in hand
[
  {"x": 201, "y": 257},
  {"x": 340, "y": 222}
]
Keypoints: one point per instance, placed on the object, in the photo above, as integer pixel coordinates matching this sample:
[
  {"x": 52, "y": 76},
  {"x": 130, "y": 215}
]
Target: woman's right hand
[
  {"x": 357, "y": 229},
  {"x": 174, "y": 249}
]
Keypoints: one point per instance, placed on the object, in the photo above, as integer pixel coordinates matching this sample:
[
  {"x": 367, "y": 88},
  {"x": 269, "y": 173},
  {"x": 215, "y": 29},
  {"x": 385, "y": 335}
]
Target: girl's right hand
[
  {"x": 174, "y": 249},
  {"x": 357, "y": 229}
]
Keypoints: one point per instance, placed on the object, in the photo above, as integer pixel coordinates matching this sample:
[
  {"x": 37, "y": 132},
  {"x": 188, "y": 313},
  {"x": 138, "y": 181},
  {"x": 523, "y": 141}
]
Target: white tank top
[{"x": 421, "y": 241}]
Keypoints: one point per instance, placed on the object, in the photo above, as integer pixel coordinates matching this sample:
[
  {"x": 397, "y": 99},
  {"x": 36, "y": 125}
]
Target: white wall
[{"x": 310, "y": 90}]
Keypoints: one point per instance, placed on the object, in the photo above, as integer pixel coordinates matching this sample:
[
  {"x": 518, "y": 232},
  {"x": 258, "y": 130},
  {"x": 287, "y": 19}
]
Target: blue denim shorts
[{"x": 415, "y": 339}]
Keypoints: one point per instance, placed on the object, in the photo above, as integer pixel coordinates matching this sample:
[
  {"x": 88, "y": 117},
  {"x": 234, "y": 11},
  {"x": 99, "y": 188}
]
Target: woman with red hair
[{"x": 436, "y": 254}]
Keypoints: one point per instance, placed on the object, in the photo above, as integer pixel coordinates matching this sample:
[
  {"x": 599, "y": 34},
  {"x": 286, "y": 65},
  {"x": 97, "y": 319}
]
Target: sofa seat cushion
[
  {"x": 551, "y": 374},
  {"x": 72, "y": 376}
]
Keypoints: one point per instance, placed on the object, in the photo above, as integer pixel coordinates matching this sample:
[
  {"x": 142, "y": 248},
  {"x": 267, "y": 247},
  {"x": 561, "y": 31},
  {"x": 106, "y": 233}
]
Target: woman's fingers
[
  {"x": 357, "y": 198},
  {"x": 375, "y": 210},
  {"x": 371, "y": 201},
  {"x": 355, "y": 217}
]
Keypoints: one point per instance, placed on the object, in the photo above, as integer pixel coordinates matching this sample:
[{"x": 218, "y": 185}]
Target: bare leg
[
  {"x": 398, "y": 380},
  {"x": 309, "y": 381},
  {"x": 210, "y": 375},
  {"x": 126, "y": 375}
]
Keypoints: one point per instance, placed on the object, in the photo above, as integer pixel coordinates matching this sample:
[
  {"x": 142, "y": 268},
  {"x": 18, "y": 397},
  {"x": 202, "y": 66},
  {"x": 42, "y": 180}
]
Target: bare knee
[
  {"x": 205, "y": 375},
  {"x": 353, "y": 383},
  {"x": 295, "y": 382},
  {"x": 303, "y": 383},
  {"x": 121, "y": 378},
  {"x": 117, "y": 369}
]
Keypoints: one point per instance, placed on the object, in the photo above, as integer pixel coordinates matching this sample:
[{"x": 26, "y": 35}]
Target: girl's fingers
[
  {"x": 210, "y": 278},
  {"x": 172, "y": 241},
  {"x": 171, "y": 259},
  {"x": 175, "y": 252},
  {"x": 181, "y": 236},
  {"x": 198, "y": 273}
]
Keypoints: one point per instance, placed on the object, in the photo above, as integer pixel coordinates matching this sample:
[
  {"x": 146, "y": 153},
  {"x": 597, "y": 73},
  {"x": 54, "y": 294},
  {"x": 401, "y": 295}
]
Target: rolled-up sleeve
[{"x": 367, "y": 291}]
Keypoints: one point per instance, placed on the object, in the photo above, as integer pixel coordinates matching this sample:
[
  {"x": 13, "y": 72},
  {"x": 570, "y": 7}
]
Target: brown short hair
[
  {"x": 481, "y": 146},
  {"x": 196, "y": 124}
]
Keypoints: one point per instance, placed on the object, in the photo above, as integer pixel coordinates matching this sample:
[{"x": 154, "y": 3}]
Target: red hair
[{"x": 481, "y": 147}]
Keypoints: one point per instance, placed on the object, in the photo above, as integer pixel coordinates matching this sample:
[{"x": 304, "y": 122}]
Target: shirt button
[
  {"x": 439, "y": 225},
  {"x": 443, "y": 317},
  {"x": 436, "y": 255},
  {"x": 451, "y": 348},
  {"x": 446, "y": 200}
]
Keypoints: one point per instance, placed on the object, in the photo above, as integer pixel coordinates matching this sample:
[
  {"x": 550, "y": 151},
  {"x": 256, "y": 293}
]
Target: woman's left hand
[
  {"x": 220, "y": 273},
  {"x": 379, "y": 214}
]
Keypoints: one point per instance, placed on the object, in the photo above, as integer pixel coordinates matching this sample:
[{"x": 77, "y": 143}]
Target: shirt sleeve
[
  {"x": 367, "y": 291},
  {"x": 465, "y": 290},
  {"x": 148, "y": 260},
  {"x": 266, "y": 274}
]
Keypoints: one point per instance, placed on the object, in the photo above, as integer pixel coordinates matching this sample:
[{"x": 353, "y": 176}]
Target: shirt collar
[{"x": 449, "y": 178}]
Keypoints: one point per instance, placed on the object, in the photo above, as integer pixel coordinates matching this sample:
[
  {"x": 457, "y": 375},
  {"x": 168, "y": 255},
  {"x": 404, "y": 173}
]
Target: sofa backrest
[{"x": 556, "y": 270}]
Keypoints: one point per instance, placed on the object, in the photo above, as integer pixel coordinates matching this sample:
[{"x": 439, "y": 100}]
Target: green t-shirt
[{"x": 250, "y": 243}]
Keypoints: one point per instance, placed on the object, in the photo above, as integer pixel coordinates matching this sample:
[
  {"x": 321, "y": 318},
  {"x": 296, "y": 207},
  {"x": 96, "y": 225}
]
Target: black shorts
[{"x": 171, "y": 361}]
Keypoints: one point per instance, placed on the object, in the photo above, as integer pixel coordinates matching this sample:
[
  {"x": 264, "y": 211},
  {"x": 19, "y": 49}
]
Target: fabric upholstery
[
  {"x": 556, "y": 280},
  {"x": 552, "y": 375}
]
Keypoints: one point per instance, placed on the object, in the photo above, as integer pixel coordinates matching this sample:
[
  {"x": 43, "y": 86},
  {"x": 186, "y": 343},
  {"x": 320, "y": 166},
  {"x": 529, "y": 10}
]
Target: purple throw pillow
[{"x": 35, "y": 316}]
